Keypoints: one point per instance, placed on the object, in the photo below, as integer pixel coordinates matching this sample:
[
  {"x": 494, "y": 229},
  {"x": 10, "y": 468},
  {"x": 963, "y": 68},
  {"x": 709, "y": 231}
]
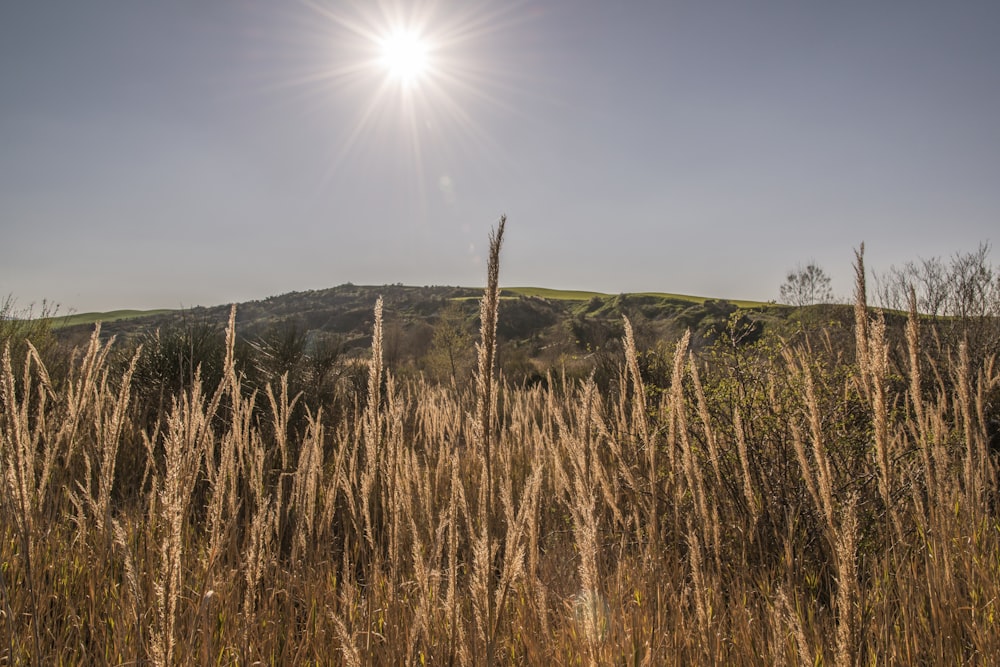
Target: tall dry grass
[{"x": 775, "y": 504}]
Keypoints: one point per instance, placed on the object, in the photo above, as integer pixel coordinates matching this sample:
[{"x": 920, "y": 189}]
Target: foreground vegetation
[{"x": 818, "y": 500}]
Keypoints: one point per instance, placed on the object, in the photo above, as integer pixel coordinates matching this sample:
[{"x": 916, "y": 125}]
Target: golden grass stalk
[
  {"x": 18, "y": 491},
  {"x": 281, "y": 411},
  {"x": 80, "y": 390},
  {"x": 352, "y": 656},
  {"x": 260, "y": 545},
  {"x": 695, "y": 479},
  {"x": 578, "y": 450},
  {"x": 676, "y": 396},
  {"x": 373, "y": 428},
  {"x": 861, "y": 316},
  {"x": 824, "y": 476},
  {"x": 986, "y": 384},
  {"x": 696, "y": 562},
  {"x": 847, "y": 587},
  {"x": 878, "y": 369},
  {"x": 791, "y": 617},
  {"x": 971, "y": 469},
  {"x": 485, "y": 400},
  {"x": 187, "y": 429},
  {"x": 921, "y": 430},
  {"x": 109, "y": 431},
  {"x": 306, "y": 483}
]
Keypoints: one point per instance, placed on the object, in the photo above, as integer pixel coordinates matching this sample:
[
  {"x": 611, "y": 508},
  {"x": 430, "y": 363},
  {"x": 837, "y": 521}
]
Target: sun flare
[
  {"x": 404, "y": 55},
  {"x": 412, "y": 80}
]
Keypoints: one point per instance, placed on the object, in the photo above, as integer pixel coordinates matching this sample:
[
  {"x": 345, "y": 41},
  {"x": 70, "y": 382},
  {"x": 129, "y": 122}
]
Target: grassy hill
[
  {"x": 336, "y": 309},
  {"x": 537, "y": 328},
  {"x": 346, "y": 309}
]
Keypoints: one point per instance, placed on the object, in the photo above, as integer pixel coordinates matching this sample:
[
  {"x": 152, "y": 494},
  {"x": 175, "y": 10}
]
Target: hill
[{"x": 537, "y": 326}]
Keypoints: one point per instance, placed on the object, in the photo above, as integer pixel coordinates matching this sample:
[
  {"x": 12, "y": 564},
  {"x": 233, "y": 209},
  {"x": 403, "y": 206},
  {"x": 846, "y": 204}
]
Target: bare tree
[
  {"x": 961, "y": 295},
  {"x": 967, "y": 287},
  {"x": 805, "y": 286},
  {"x": 929, "y": 279}
]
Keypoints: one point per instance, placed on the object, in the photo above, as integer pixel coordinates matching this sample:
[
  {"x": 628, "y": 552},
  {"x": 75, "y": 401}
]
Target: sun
[
  {"x": 411, "y": 79},
  {"x": 404, "y": 56}
]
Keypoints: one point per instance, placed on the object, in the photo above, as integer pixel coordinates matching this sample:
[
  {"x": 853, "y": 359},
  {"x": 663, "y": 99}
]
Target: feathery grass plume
[
  {"x": 257, "y": 554},
  {"x": 943, "y": 481},
  {"x": 187, "y": 425},
  {"x": 794, "y": 622},
  {"x": 921, "y": 428},
  {"x": 702, "y": 604},
  {"x": 50, "y": 446},
  {"x": 109, "y": 431},
  {"x": 861, "y": 317},
  {"x": 221, "y": 475},
  {"x": 482, "y": 583},
  {"x": 18, "y": 492},
  {"x": 621, "y": 467},
  {"x": 986, "y": 382},
  {"x": 281, "y": 412},
  {"x": 913, "y": 350},
  {"x": 79, "y": 390},
  {"x": 352, "y": 656},
  {"x": 513, "y": 563},
  {"x": 372, "y": 428},
  {"x": 131, "y": 579},
  {"x": 189, "y": 435},
  {"x": 538, "y": 598},
  {"x": 485, "y": 400},
  {"x": 676, "y": 404},
  {"x": 695, "y": 480},
  {"x": 824, "y": 476},
  {"x": 451, "y": 594},
  {"x": 9, "y": 612},
  {"x": 578, "y": 449},
  {"x": 222, "y": 472},
  {"x": 392, "y": 502},
  {"x": 878, "y": 369},
  {"x": 305, "y": 484},
  {"x": 972, "y": 469},
  {"x": 847, "y": 586},
  {"x": 640, "y": 423},
  {"x": 425, "y": 543},
  {"x": 17, "y": 446},
  {"x": 229, "y": 363},
  {"x": 335, "y": 482}
]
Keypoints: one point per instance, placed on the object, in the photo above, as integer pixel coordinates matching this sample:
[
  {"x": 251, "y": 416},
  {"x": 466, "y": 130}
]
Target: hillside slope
[{"x": 536, "y": 326}]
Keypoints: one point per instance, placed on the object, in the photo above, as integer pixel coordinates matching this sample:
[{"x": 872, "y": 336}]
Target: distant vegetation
[{"x": 404, "y": 475}]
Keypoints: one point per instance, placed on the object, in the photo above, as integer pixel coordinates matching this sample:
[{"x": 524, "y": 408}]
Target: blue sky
[{"x": 197, "y": 153}]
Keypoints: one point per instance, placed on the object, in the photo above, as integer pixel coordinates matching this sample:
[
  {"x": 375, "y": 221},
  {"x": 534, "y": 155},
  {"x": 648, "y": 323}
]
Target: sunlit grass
[{"x": 779, "y": 503}]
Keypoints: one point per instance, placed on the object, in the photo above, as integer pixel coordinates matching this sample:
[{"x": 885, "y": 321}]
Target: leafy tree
[
  {"x": 452, "y": 343},
  {"x": 805, "y": 286}
]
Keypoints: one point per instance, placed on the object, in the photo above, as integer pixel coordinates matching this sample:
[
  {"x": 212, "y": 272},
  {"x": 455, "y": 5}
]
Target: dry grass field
[{"x": 784, "y": 503}]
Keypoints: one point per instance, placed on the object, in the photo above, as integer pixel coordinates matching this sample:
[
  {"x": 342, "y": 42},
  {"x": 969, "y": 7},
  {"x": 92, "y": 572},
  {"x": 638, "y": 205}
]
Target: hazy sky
[{"x": 197, "y": 152}]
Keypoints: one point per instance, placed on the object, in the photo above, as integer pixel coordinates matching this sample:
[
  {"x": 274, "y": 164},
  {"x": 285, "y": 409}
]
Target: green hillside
[{"x": 110, "y": 316}]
